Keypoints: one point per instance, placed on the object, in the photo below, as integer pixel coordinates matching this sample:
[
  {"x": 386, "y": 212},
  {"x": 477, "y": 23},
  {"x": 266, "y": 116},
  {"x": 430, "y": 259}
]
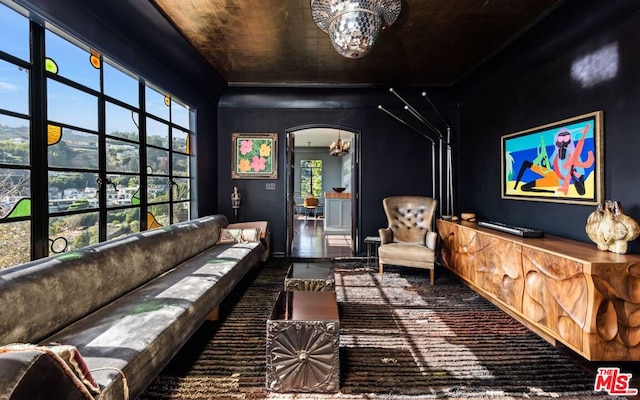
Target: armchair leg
[
  {"x": 381, "y": 269},
  {"x": 432, "y": 275}
]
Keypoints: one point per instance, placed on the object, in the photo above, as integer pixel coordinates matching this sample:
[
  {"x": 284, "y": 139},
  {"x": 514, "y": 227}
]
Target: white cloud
[{"x": 7, "y": 87}]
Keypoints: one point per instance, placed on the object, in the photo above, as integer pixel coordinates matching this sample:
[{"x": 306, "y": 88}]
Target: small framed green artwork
[
  {"x": 560, "y": 162},
  {"x": 254, "y": 156}
]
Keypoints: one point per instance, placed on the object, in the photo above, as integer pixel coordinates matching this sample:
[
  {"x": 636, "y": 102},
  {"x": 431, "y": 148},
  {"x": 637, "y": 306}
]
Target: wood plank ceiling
[{"x": 275, "y": 42}]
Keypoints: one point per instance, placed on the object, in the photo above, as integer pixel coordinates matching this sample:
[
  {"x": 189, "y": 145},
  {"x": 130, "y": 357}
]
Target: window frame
[
  {"x": 41, "y": 244},
  {"x": 315, "y": 170}
]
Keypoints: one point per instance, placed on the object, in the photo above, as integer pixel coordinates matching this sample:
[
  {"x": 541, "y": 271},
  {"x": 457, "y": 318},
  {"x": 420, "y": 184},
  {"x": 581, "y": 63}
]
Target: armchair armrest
[
  {"x": 431, "y": 240},
  {"x": 386, "y": 235}
]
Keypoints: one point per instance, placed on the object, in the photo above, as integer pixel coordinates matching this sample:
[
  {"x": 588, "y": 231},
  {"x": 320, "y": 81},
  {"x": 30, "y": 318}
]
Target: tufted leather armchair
[{"x": 408, "y": 240}]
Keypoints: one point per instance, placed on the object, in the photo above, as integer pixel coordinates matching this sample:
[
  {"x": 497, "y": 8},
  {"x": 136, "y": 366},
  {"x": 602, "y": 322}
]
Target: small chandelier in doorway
[{"x": 339, "y": 148}]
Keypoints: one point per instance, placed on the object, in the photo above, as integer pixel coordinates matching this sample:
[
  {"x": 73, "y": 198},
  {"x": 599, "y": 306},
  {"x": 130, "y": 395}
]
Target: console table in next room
[{"x": 564, "y": 290}]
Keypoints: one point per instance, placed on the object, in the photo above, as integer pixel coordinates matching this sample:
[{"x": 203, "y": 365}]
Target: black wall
[
  {"x": 530, "y": 84},
  {"x": 395, "y": 160}
]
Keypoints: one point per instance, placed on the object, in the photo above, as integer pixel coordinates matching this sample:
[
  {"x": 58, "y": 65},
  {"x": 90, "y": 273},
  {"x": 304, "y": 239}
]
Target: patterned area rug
[{"x": 400, "y": 338}]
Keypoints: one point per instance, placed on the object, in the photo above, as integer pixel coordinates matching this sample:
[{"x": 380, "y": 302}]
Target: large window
[
  {"x": 75, "y": 130},
  {"x": 15, "y": 139},
  {"x": 311, "y": 178}
]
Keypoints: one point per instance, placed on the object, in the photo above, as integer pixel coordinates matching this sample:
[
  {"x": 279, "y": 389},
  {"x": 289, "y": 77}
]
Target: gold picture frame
[{"x": 254, "y": 156}]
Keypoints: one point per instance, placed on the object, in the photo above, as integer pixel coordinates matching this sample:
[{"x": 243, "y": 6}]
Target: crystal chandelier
[
  {"x": 339, "y": 148},
  {"x": 353, "y": 25}
]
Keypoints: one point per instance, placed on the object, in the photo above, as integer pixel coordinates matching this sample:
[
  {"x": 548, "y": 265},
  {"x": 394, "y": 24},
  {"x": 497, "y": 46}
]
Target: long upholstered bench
[{"x": 127, "y": 306}]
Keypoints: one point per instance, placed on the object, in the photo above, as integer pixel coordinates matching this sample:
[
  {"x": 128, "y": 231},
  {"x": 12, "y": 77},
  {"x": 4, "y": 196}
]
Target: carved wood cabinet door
[
  {"x": 555, "y": 294},
  {"x": 563, "y": 290}
]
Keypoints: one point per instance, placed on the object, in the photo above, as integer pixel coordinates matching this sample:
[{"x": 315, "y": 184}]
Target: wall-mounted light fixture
[{"x": 235, "y": 202}]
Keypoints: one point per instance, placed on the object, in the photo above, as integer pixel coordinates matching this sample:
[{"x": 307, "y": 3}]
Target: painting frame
[
  {"x": 254, "y": 156},
  {"x": 573, "y": 174}
]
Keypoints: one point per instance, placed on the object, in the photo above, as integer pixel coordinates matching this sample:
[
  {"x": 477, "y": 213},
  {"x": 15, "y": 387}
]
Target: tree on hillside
[{"x": 14, "y": 184}]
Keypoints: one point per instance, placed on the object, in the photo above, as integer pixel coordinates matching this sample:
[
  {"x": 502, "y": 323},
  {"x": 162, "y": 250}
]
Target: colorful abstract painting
[
  {"x": 558, "y": 162},
  {"x": 254, "y": 156}
]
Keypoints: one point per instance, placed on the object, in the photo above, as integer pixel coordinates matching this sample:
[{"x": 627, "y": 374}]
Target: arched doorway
[{"x": 322, "y": 232}]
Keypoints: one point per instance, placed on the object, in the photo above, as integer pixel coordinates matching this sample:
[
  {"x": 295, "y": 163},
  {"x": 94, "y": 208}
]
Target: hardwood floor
[{"x": 309, "y": 240}]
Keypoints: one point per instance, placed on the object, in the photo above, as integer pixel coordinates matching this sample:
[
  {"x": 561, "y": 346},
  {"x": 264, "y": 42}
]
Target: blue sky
[
  {"x": 66, "y": 104},
  {"x": 532, "y": 140}
]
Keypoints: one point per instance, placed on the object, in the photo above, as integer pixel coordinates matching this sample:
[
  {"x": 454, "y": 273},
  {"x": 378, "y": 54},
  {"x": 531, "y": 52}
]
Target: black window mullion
[
  {"x": 170, "y": 145},
  {"x": 14, "y": 60},
  {"x": 143, "y": 157},
  {"x": 68, "y": 82},
  {"x": 39, "y": 163},
  {"x": 193, "y": 170},
  {"x": 102, "y": 162}
]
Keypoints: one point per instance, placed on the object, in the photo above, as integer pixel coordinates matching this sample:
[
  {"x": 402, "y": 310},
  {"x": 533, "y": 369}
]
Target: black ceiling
[{"x": 275, "y": 42}]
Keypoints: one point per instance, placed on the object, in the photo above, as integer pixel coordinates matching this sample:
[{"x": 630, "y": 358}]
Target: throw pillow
[
  {"x": 230, "y": 236},
  {"x": 250, "y": 235}
]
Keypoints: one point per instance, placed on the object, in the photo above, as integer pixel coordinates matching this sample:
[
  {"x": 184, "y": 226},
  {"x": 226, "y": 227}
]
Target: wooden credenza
[{"x": 564, "y": 290}]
